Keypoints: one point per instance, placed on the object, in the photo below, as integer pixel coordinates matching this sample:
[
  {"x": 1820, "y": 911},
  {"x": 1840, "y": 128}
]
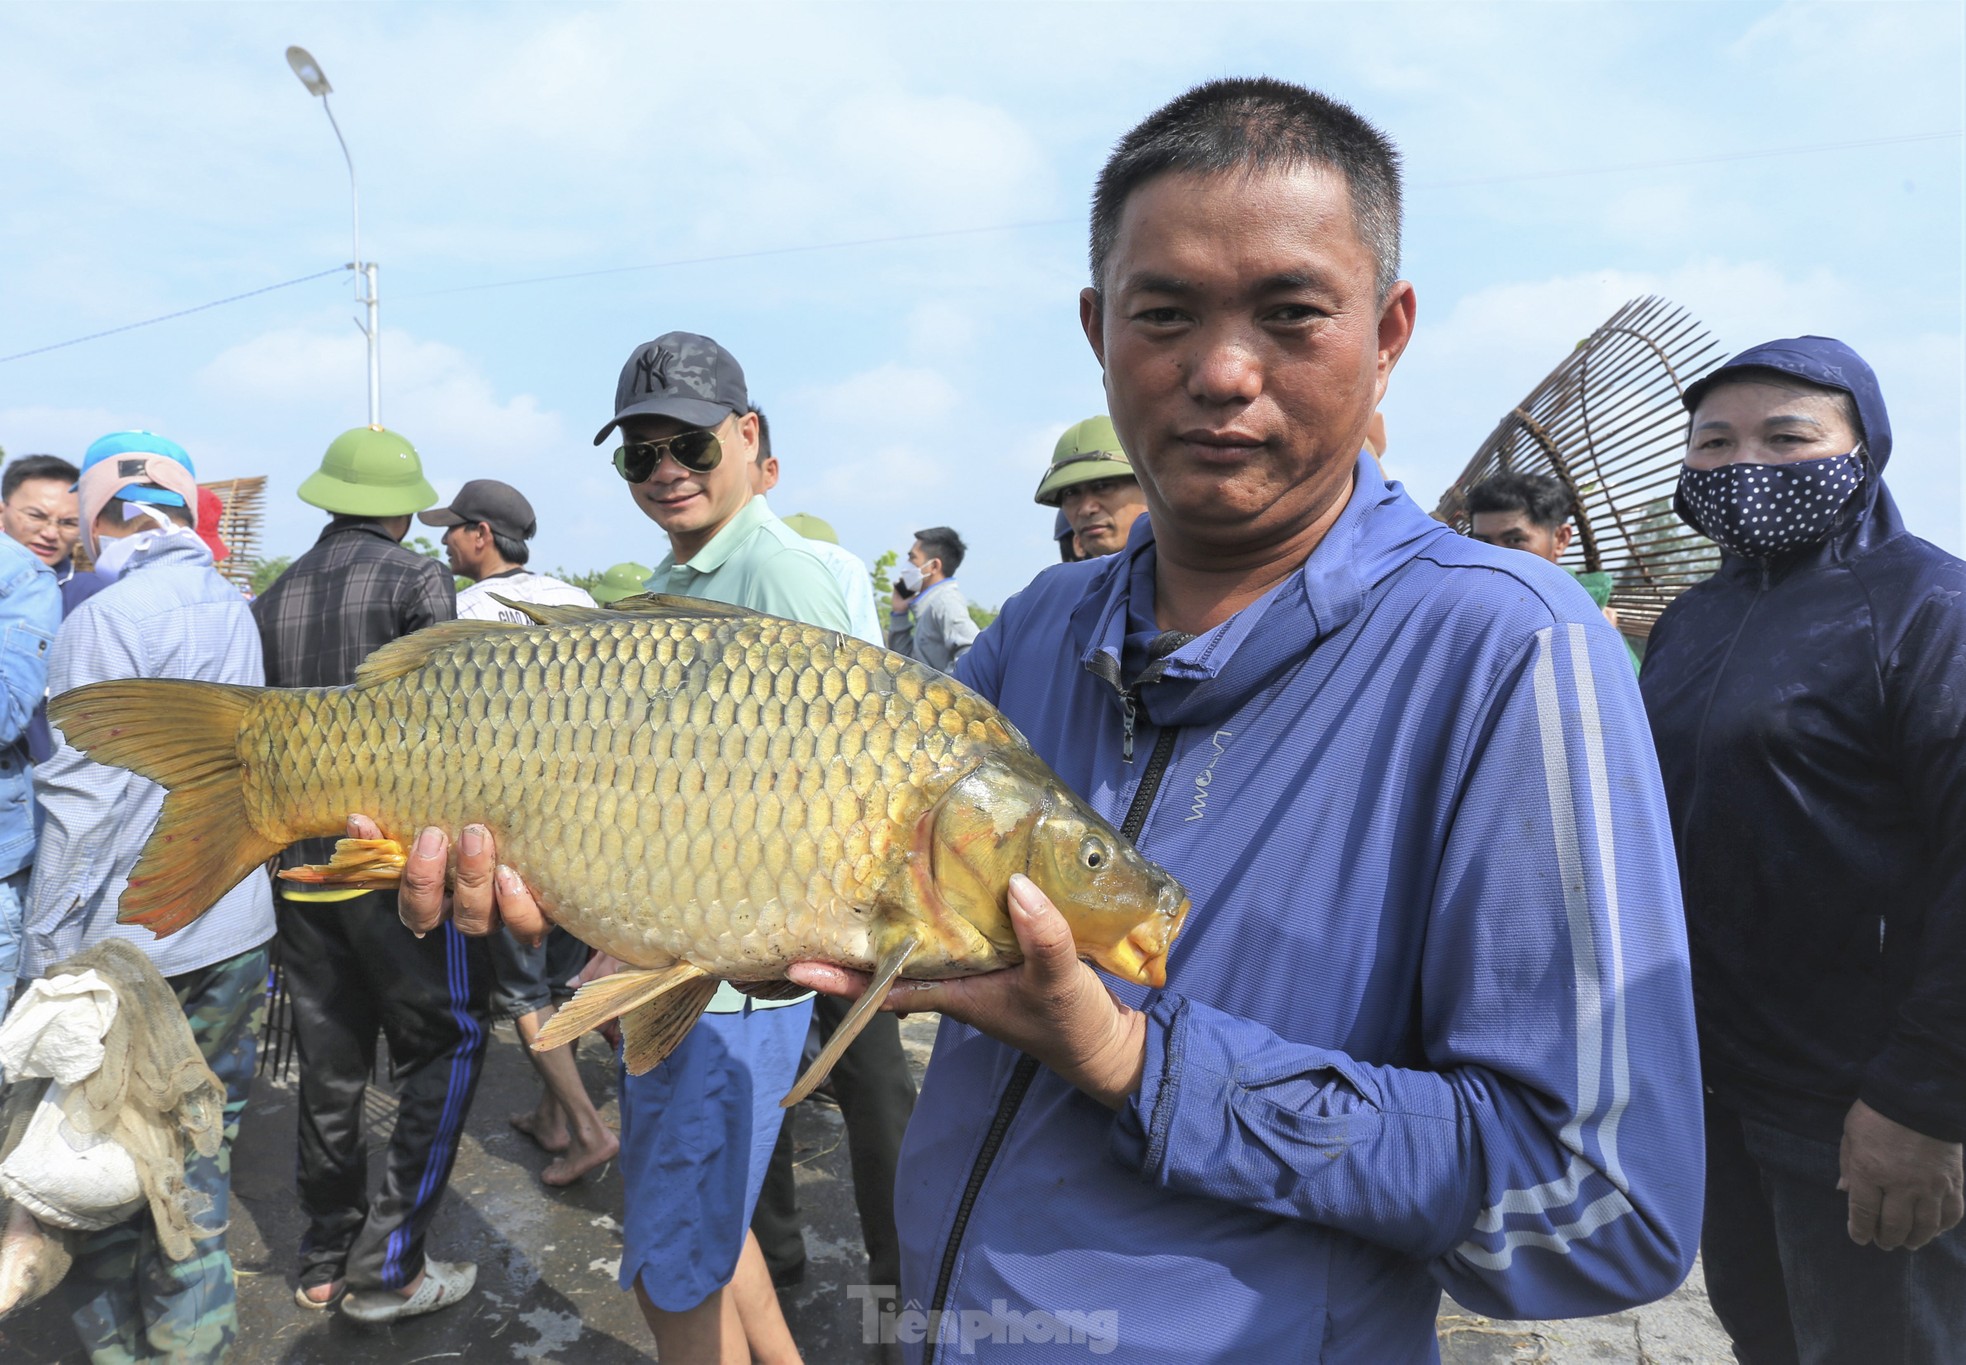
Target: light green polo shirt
[{"x": 757, "y": 561}]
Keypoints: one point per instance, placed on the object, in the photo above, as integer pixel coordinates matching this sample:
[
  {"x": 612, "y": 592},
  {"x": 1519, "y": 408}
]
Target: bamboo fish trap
[{"x": 1608, "y": 424}]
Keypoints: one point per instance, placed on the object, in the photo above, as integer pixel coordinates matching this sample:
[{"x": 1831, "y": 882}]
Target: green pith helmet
[
  {"x": 623, "y": 580},
  {"x": 1084, "y": 454},
  {"x": 369, "y": 472},
  {"x": 812, "y": 528}
]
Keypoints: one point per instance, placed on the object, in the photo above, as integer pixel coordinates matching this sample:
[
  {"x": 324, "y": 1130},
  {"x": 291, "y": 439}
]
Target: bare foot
[
  {"x": 580, "y": 1158},
  {"x": 545, "y": 1125}
]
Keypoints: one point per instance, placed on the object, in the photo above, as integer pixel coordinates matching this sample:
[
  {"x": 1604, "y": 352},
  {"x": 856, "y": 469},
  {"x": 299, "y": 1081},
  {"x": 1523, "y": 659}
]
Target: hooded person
[
  {"x": 1808, "y": 703},
  {"x": 165, "y": 613}
]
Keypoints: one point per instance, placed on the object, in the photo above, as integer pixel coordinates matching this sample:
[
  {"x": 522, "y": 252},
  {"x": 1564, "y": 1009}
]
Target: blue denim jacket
[{"x": 30, "y": 612}]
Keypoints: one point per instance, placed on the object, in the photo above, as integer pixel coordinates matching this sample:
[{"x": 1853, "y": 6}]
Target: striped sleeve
[{"x": 1544, "y": 1154}]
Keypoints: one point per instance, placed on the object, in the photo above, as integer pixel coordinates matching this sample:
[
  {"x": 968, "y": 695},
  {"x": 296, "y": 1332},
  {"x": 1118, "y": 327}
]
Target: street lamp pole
[{"x": 316, "y": 81}]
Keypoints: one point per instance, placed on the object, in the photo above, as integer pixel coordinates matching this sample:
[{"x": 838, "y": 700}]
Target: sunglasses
[{"x": 697, "y": 451}]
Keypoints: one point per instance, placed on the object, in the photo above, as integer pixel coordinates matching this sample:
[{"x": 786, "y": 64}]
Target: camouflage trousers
[{"x": 127, "y": 1299}]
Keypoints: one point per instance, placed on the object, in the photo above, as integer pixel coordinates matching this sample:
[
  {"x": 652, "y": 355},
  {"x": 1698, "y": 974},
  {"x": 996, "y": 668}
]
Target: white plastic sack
[
  {"x": 56, "y": 1028},
  {"x": 69, "y": 1179}
]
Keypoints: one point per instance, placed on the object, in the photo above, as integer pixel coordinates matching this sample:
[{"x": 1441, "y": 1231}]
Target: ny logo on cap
[
  {"x": 133, "y": 469},
  {"x": 652, "y": 369}
]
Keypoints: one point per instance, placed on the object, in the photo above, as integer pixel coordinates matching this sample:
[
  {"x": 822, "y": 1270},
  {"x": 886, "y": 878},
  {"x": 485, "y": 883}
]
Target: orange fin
[
  {"x": 651, "y": 1032},
  {"x": 184, "y": 736},
  {"x": 608, "y": 997},
  {"x": 856, "y": 1019},
  {"x": 359, "y": 864}
]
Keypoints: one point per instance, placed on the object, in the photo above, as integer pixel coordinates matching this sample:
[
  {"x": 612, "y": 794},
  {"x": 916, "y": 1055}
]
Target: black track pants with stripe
[{"x": 352, "y": 969}]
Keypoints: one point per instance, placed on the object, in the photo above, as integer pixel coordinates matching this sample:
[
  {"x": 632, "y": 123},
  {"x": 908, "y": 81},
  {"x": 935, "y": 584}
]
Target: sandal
[
  {"x": 444, "y": 1283},
  {"x": 339, "y": 1292}
]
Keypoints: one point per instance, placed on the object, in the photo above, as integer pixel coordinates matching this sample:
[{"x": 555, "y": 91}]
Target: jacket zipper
[{"x": 1026, "y": 1069}]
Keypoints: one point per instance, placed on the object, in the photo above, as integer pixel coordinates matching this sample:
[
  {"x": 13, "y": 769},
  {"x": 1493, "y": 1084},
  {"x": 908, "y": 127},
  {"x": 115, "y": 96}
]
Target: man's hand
[
  {"x": 1905, "y": 1188},
  {"x": 487, "y": 893},
  {"x": 897, "y": 602},
  {"x": 1051, "y": 1005}
]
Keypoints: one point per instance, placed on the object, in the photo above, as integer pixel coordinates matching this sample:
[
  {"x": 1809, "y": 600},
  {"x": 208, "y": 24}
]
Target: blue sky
[{"x": 163, "y": 155}]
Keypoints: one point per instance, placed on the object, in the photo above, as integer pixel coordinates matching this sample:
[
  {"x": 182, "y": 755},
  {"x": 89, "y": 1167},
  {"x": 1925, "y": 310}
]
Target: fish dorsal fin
[
  {"x": 407, "y": 655},
  {"x": 668, "y": 604},
  {"x": 554, "y": 613}
]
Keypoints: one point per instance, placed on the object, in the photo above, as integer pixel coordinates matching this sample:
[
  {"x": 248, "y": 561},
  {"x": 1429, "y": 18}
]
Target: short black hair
[
  {"x": 1250, "y": 125},
  {"x": 514, "y": 550},
  {"x": 36, "y": 467},
  {"x": 764, "y": 435},
  {"x": 1545, "y": 501},
  {"x": 940, "y": 542}
]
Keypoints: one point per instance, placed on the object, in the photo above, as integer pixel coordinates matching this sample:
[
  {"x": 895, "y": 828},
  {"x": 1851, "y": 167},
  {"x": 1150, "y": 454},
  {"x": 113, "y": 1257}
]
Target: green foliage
[
  {"x": 883, "y": 585},
  {"x": 265, "y": 571},
  {"x": 586, "y": 582},
  {"x": 982, "y": 615}
]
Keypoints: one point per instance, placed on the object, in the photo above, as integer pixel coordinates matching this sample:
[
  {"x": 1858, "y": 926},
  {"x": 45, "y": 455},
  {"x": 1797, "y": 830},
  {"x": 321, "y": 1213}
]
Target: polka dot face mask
[{"x": 1759, "y": 510}]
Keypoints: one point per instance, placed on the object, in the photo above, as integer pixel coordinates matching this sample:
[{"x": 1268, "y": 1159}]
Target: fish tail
[{"x": 183, "y": 736}]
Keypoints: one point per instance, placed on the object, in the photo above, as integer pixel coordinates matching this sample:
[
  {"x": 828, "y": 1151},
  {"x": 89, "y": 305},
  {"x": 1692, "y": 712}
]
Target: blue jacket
[
  {"x": 1810, "y": 715},
  {"x": 30, "y": 613},
  {"x": 1428, "y": 1023},
  {"x": 169, "y": 616}
]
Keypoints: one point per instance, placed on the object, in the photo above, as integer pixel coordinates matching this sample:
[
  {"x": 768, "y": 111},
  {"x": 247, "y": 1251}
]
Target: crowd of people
[{"x": 1499, "y": 944}]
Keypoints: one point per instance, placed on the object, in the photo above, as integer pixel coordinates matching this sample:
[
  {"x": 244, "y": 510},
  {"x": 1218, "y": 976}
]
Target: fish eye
[{"x": 1094, "y": 854}]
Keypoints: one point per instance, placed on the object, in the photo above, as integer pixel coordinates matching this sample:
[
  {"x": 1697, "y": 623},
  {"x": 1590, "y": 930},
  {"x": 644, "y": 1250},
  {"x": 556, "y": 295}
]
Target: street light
[{"x": 316, "y": 81}]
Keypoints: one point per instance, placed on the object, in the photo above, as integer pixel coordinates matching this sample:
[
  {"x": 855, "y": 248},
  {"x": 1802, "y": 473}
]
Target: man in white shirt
[{"x": 486, "y": 528}]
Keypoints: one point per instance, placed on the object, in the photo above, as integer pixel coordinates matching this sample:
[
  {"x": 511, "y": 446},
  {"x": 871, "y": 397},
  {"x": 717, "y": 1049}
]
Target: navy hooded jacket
[
  {"x": 1428, "y": 1022},
  {"x": 1810, "y": 716}
]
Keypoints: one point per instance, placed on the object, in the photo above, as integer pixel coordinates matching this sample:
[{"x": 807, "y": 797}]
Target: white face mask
[{"x": 911, "y": 577}]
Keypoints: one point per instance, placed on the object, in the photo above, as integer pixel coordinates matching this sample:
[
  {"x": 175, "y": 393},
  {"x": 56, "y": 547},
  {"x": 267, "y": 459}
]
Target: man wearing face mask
[
  {"x": 1809, "y": 707},
  {"x": 941, "y": 630},
  {"x": 165, "y": 614}
]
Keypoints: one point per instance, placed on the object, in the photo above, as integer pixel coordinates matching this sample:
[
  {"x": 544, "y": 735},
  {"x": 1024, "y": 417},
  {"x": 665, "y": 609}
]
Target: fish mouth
[{"x": 1142, "y": 955}]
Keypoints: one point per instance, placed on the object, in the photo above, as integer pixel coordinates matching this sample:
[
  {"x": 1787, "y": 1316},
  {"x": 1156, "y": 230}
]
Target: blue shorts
[{"x": 696, "y": 1135}]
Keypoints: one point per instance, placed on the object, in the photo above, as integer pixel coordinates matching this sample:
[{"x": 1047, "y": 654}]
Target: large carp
[{"x": 704, "y": 792}]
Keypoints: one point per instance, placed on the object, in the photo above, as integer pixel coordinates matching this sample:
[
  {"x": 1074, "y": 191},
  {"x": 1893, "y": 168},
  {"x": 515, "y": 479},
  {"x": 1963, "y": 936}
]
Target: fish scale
[
  {"x": 700, "y": 791},
  {"x": 519, "y": 732}
]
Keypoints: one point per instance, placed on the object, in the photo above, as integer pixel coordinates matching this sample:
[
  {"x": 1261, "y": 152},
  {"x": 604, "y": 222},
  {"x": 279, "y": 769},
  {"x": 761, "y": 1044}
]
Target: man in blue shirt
[
  {"x": 30, "y": 612},
  {"x": 165, "y": 614}
]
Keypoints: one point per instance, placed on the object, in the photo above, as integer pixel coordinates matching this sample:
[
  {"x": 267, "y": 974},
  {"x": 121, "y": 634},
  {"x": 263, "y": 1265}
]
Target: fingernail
[
  {"x": 508, "y": 880},
  {"x": 429, "y": 842},
  {"x": 474, "y": 841}
]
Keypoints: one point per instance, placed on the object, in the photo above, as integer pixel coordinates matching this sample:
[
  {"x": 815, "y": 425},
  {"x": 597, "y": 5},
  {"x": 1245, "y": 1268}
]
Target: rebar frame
[{"x": 1608, "y": 424}]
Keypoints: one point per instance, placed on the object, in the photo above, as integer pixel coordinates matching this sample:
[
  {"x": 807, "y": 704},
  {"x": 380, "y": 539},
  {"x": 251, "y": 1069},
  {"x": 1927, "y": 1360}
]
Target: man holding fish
[{"x": 1431, "y": 1024}]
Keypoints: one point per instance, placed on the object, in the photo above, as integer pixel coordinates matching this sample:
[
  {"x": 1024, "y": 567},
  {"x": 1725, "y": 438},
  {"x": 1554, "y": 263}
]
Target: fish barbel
[{"x": 701, "y": 791}]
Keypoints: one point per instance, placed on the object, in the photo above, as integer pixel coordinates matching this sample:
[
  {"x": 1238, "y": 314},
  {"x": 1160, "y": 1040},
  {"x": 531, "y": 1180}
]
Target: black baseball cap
[
  {"x": 499, "y": 505},
  {"x": 681, "y": 375}
]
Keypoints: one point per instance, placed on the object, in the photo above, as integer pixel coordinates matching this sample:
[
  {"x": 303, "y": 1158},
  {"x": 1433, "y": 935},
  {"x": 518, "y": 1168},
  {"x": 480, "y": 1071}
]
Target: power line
[
  {"x": 897, "y": 238},
  {"x": 1690, "y": 161},
  {"x": 182, "y": 312},
  {"x": 741, "y": 256}
]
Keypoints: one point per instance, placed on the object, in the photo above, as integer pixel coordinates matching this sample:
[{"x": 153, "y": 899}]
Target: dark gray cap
[
  {"x": 499, "y": 505},
  {"x": 681, "y": 375}
]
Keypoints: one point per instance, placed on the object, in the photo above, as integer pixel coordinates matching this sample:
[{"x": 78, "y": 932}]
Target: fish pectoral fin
[
  {"x": 857, "y": 1018},
  {"x": 357, "y": 865},
  {"x": 651, "y": 1032},
  {"x": 404, "y": 656},
  {"x": 609, "y": 997}
]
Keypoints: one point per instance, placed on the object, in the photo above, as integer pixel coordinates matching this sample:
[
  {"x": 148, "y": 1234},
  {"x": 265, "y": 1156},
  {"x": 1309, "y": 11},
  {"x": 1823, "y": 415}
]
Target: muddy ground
[{"x": 547, "y": 1259}]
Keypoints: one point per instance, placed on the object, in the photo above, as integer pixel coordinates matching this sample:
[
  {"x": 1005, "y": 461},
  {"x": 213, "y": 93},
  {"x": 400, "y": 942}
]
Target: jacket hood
[{"x": 1830, "y": 363}]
